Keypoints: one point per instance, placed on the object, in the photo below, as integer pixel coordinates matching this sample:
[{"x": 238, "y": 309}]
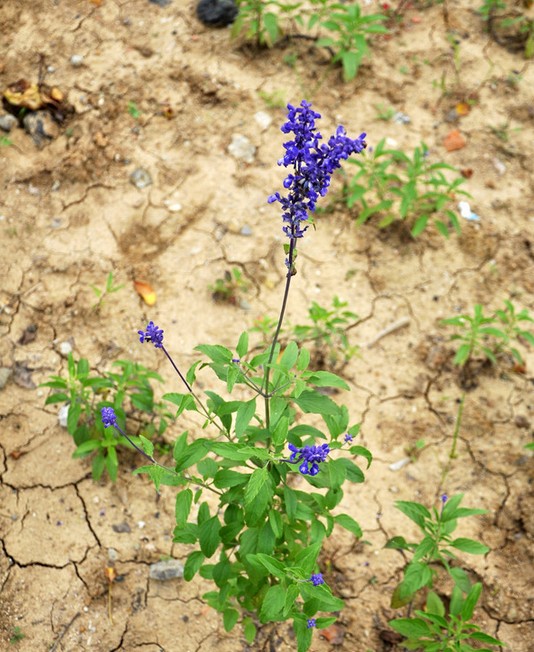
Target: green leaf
[
  {"x": 208, "y": 536},
  {"x": 486, "y": 638},
  {"x": 397, "y": 543},
  {"x": 249, "y": 629},
  {"x": 216, "y": 352},
  {"x": 146, "y": 445},
  {"x": 242, "y": 345},
  {"x": 230, "y": 618},
  {"x": 86, "y": 448},
  {"x": 183, "y": 401},
  {"x": 471, "y": 601},
  {"x": 364, "y": 452},
  {"x": 238, "y": 452},
  {"x": 256, "y": 483},
  {"x": 186, "y": 534},
  {"x": 306, "y": 559},
  {"x": 59, "y": 397},
  {"x": 327, "y": 379},
  {"x": 226, "y": 478},
  {"x": 273, "y": 603},
  {"x": 245, "y": 412},
  {"x": 183, "y": 503},
  {"x": 351, "y": 62},
  {"x": 470, "y": 546},
  {"x": 434, "y": 605},
  {"x": 313, "y": 402},
  {"x": 411, "y": 627},
  {"x": 193, "y": 453},
  {"x": 289, "y": 357},
  {"x": 274, "y": 567},
  {"x": 414, "y": 511},
  {"x": 180, "y": 446},
  {"x": 349, "y": 524},
  {"x": 419, "y": 225},
  {"x": 192, "y": 565}
]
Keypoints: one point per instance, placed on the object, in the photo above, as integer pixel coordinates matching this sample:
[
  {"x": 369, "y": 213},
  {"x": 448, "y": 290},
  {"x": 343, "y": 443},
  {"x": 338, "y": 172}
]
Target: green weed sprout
[
  {"x": 350, "y": 31},
  {"x": 396, "y": 187},
  {"x": 490, "y": 336},
  {"x": 85, "y": 394},
  {"x": 102, "y": 294},
  {"x": 436, "y": 547},
  {"x": 435, "y": 630},
  {"x": 229, "y": 288}
]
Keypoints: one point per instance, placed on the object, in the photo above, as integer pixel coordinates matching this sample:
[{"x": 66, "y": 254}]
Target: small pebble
[
  {"x": 263, "y": 119},
  {"x": 76, "y": 60},
  {"x": 140, "y": 178},
  {"x": 40, "y": 126},
  {"x": 63, "y": 415},
  {"x": 121, "y": 528},
  {"x": 113, "y": 555},
  {"x": 397, "y": 466},
  {"x": 166, "y": 570},
  {"x": 160, "y": 3},
  {"x": 65, "y": 348},
  {"x": 245, "y": 230},
  {"x": 241, "y": 148},
  {"x": 7, "y": 122}
]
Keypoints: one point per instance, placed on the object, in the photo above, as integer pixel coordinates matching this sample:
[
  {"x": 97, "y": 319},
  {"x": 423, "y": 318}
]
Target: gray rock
[
  {"x": 5, "y": 373},
  {"x": 7, "y": 122},
  {"x": 140, "y": 178},
  {"x": 121, "y": 528},
  {"x": 40, "y": 126},
  {"x": 166, "y": 570},
  {"x": 217, "y": 13},
  {"x": 241, "y": 148}
]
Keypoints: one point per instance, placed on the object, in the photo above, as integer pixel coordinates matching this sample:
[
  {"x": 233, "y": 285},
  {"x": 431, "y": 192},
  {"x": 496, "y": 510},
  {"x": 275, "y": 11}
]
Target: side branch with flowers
[{"x": 261, "y": 545}]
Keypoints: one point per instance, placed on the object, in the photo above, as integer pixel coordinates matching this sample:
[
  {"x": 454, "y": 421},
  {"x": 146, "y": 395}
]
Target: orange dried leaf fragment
[
  {"x": 454, "y": 140},
  {"x": 146, "y": 292}
]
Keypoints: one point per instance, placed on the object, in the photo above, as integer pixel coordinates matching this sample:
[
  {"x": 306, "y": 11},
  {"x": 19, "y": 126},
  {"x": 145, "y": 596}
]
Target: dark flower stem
[
  {"x": 267, "y": 373},
  {"x": 204, "y": 410}
]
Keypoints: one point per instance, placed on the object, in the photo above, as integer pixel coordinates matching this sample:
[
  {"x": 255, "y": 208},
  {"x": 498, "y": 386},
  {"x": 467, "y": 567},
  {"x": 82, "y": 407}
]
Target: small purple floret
[
  {"x": 152, "y": 334},
  {"x": 317, "y": 579},
  {"x": 311, "y": 623},
  {"x": 309, "y": 456},
  {"x": 109, "y": 418},
  {"x": 348, "y": 438},
  {"x": 444, "y": 498}
]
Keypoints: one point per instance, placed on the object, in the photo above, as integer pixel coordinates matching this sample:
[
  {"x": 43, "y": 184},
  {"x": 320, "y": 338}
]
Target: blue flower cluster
[
  {"x": 310, "y": 456},
  {"x": 152, "y": 334},
  {"x": 311, "y": 622},
  {"x": 313, "y": 165},
  {"x": 316, "y": 579},
  {"x": 109, "y": 418}
]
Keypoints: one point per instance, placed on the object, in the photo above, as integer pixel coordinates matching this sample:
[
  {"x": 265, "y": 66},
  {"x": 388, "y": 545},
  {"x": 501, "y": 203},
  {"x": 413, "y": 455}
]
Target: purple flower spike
[
  {"x": 109, "y": 418},
  {"x": 152, "y": 334},
  {"x": 317, "y": 579},
  {"x": 309, "y": 456},
  {"x": 348, "y": 438},
  {"x": 444, "y": 498},
  {"x": 311, "y": 623},
  {"x": 313, "y": 164}
]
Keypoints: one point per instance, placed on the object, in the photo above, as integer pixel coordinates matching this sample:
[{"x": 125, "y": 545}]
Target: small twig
[
  {"x": 395, "y": 326},
  {"x": 54, "y": 645}
]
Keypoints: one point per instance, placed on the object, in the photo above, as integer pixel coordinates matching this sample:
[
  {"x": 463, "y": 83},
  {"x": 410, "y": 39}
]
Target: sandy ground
[{"x": 70, "y": 214}]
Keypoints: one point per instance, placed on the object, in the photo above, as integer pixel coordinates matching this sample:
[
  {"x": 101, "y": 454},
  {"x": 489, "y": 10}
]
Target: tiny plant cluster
[
  {"x": 274, "y": 475},
  {"x": 395, "y": 187},
  {"x": 491, "y": 337},
  {"x": 442, "y": 626},
  {"x": 343, "y": 29},
  {"x": 85, "y": 394},
  {"x": 327, "y": 332}
]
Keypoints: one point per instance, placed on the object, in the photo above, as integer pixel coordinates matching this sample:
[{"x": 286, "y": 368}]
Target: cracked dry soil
[{"x": 69, "y": 215}]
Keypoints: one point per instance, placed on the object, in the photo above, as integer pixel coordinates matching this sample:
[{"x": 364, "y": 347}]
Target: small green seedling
[
  {"x": 16, "y": 636},
  {"x": 133, "y": 110},
  {"x": 436, "y": 547},
  {"x": 85, "y": 394},
  {"x": 101, "y": 295},
  {"x": 229, "y": 288},
  {"x": 395, "y": 187},
  {"x": 435, "y": 630}
]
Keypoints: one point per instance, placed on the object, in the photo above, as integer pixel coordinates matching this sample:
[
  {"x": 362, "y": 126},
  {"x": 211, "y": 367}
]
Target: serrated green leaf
[
  {"x": 273, "y": 604},
  {"x": 245, "y": 412},
  {"x": 184, "y": 500},
  {"x": 208, "y": 536},
  {"x": 192, "y": 565},
  {"x": 470, "y": 546},
  {"x": 349, "y": 524}
]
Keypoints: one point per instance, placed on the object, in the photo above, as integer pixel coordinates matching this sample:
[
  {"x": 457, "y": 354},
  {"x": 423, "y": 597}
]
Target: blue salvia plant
[{"x": 275, "y": 474}]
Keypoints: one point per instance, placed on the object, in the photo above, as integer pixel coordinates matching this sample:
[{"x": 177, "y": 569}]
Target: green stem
[
  {"x": 267, "y": 373},
  {"x": 452, "y": 452}
]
